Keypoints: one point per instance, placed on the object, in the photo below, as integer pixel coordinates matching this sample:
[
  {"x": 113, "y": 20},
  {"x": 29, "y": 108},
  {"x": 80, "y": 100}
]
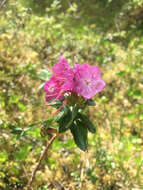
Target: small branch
[
  {"x": 39, "y": 161},
  {"x": 69, "y": 3},
  {"x": 2, "y": 3},
  {"x": 24, "y": 169}
]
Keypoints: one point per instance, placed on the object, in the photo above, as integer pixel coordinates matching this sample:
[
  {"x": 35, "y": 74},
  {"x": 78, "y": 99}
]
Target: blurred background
[{"x": 107, "y": 33}]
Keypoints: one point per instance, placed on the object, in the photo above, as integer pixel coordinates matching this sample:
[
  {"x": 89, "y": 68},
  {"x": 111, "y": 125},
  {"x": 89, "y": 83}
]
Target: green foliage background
[{"x": 108, "y": 33}]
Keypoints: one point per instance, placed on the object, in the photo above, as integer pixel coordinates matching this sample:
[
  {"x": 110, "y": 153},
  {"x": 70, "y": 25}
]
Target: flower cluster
[{"x": 84, "y": 80}]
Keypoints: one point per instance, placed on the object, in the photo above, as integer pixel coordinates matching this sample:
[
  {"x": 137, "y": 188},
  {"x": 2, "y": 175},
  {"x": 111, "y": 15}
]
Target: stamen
[
  {"x": 64, "y": 102},
  {"x": 60, "y": 93}
]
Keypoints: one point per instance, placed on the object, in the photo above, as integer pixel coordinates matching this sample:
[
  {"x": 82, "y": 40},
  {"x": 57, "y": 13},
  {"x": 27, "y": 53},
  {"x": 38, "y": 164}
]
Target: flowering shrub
[{"x": 70, "y": 90}]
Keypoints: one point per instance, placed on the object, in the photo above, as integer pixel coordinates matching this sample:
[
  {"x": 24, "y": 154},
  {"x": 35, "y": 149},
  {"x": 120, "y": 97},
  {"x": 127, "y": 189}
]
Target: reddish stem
[{"x": 40, "y": 160}]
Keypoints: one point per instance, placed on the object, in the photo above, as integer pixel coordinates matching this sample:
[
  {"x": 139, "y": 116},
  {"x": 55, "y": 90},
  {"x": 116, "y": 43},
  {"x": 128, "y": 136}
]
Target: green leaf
[
  {"x": 22, "y": 153},
  {"x": 56, "y": 104},
  {"x": 137, "y": 94},
  {"x": 79, "y": 133},
  {"x": 16, "y": 130},
  {"x": 61, "y": 114},
  {"x": 44, "y": 75},
  {"x": 65, "y": 122},
  {"x": 22, "y": 107},
  {"x": 130, "y": 92},
  {"x": 74, "y": 111},
  {"x": 141, "y": 117},
  {"x": 131, "y": 115},
  {"x": 34, "y": 132},
  {"x": 49, "y": 121},
  {"x": 87, "y": 123},
  {"x": 41, "y": 85},
  {"x": 13, "y": 99},
  {"x": 121, "y": 73},
  {"x": 57, "y": 145},
  {"x": 3, "y": 156}
]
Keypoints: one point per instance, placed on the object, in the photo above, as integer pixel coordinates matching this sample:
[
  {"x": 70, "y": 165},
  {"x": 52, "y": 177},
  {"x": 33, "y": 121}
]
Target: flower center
[
  {"x": 51, "y": 89},
  {"x": 87, "y": 82}
]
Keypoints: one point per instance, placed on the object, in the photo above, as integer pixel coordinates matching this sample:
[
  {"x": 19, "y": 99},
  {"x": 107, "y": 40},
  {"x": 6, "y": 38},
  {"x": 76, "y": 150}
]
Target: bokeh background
[{"x": 107, "y": 33}]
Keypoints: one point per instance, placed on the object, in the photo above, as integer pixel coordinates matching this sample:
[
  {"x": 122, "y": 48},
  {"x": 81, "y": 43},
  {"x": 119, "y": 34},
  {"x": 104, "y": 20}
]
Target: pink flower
[
  {"x": 85, "y": 69},
  {"x": 53, "y": 90},
  {"x": 83, "y": 79},
  {"x": 61, "y": 80},
  {"x": 63, "y": 72},
  {"x": 87, "y": 81},
  {"x": 62, "y": 69}
]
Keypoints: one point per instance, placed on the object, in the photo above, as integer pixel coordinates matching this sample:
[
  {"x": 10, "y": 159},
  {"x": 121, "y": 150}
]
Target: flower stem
[{"x": 40, "y": 160}]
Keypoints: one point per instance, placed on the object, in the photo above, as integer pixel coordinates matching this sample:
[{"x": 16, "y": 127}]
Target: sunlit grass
[{"x": 29, "y": 43}]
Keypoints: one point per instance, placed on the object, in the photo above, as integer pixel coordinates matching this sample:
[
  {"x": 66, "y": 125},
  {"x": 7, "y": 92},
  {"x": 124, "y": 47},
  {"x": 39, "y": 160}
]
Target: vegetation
[{"x": 107, "y": 33}]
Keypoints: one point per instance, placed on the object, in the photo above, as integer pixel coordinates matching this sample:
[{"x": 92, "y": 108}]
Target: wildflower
[
  {"x": 84, "y": 80},
  {"x": 62, "y": 69},
  {"x": 53, "y": 90},
  {"x": 88, "y": 80},
  {"x": 63, "y": 72}
]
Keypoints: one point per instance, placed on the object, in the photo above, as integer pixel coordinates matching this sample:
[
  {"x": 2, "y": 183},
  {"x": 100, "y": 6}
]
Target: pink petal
[{"x": 98, "y": 85}]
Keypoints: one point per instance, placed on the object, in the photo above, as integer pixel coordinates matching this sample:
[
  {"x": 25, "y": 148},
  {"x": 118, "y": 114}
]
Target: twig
[
  {"x": 39, "y": 161},
  {"x": 2, "y": 3},
  {"x": 69, "y": 3},
  {"x": 24, "y": 169}
]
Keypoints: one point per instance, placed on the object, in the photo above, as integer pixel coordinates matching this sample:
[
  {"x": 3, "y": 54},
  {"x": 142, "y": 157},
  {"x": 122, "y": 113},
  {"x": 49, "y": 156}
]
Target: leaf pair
[
  {"x": 79, "y": 125},
  {"x": 66, "y": 117}
]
